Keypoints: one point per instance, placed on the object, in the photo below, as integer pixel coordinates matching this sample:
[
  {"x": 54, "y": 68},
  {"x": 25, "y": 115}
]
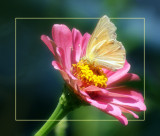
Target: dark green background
[{"x": 39, "y": 85}]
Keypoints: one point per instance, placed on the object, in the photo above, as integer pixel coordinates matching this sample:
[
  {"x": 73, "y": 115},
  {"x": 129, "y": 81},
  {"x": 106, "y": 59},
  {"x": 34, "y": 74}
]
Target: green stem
[
  {"x": 54, "y": 119},
  {"x": 67, "y": 102}
]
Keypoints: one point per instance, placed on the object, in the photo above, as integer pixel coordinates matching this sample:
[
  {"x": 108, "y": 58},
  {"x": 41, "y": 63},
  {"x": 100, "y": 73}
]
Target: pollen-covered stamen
[{"x": 89, "y": 74}]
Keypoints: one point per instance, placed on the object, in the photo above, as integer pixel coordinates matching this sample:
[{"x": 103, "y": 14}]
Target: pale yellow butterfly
[{"x": 103, "y": 49}]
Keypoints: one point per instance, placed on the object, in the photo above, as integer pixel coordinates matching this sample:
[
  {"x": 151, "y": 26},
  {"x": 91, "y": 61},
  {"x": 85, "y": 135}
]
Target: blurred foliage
[
  {"x": 39, "y": 85},
  {"x": 60, "y": 129}
]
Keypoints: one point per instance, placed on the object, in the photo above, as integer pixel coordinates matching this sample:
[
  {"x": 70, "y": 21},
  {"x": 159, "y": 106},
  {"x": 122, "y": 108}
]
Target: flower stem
[
  {"x": 67, "y": 102},
  {"x": 54, "y": 119}
]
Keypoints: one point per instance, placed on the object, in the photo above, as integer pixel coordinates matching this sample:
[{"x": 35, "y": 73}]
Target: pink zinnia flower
[{"x": 97, "y": 86}]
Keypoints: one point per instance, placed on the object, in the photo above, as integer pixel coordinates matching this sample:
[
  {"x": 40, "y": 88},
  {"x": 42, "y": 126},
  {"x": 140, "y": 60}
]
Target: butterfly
[{"x": 103, "y": 50}]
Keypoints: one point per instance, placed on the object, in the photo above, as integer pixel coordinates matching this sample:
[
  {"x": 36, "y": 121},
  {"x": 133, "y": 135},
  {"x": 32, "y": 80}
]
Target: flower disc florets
[{"x": 89, "y": 74}]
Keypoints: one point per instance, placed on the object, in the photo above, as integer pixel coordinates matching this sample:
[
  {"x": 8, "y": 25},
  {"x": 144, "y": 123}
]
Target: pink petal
[
  {"x": 62, "y": 36},
  {"x": 129, "y": 111},
  {"x": 61, "y": 57},
  {"x": 129, "y": 77},
  {"x": 71, "y": 75},
  {"x": 130, "y": 100},
  {"x": 114, "y": 76},
  {"x": 84, "y": 93},
  {"x": 125, "y": 92},
  {"x": 111, "y": 109},
  {"x": 85, "y": 41},
  {"x": 126, "y": 78},
  {"x": 47, "y": 41},
  {"x": 77, "y": 40},
  {"x": 101, "y": 106},
  {"x": 116, "y": 112},
  {"x": 93, "y": 88},
  {"x": 106, "y": 107},
  {"x": 109, "y": 93},
  {"x": 56, "y": 65},
  {"x": 134, "y": 77},
  {"x": 122, "y": 119},
  {"x": 136, "y": 94},
  {"x": 128, "y": 103},
  {"x": 121, "y": 92}
]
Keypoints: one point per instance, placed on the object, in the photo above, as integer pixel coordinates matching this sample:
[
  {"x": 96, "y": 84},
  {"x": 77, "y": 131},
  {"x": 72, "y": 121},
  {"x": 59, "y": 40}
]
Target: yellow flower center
[{"x": 89, "y": 74}]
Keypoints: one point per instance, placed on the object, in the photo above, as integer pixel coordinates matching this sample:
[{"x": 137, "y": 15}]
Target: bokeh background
[{"x": 39, "y": 85}]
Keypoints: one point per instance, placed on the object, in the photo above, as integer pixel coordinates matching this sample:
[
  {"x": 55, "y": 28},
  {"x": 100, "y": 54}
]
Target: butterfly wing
[{"x": 103, "y": 49}]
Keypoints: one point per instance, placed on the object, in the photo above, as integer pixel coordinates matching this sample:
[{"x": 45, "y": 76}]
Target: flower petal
[
  {"x": 47, "y": 41},
  {"x": 93, "y": 88},
  {"x": 77, "y": 40},
  {"x": 111, "y": 109},
  {"x": 114, "y": 76},
  {"x": 62, "y": 37},
  {"x": 61, "y": 57},
  {"x": 101, "y": 106},
  {"x": 123, "y": 98},
  {"x": 85, "y": 41},
  {"x": 132, "y": 103},
  {"x": 129, "y": 103},
  {"x": 122, "y": 119},
  {"x": 129, "y": 111},
  {"x": 124, "y": 92},
  {"x": 56, "y": 65},
  {"x": 126, "y": 78}
]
